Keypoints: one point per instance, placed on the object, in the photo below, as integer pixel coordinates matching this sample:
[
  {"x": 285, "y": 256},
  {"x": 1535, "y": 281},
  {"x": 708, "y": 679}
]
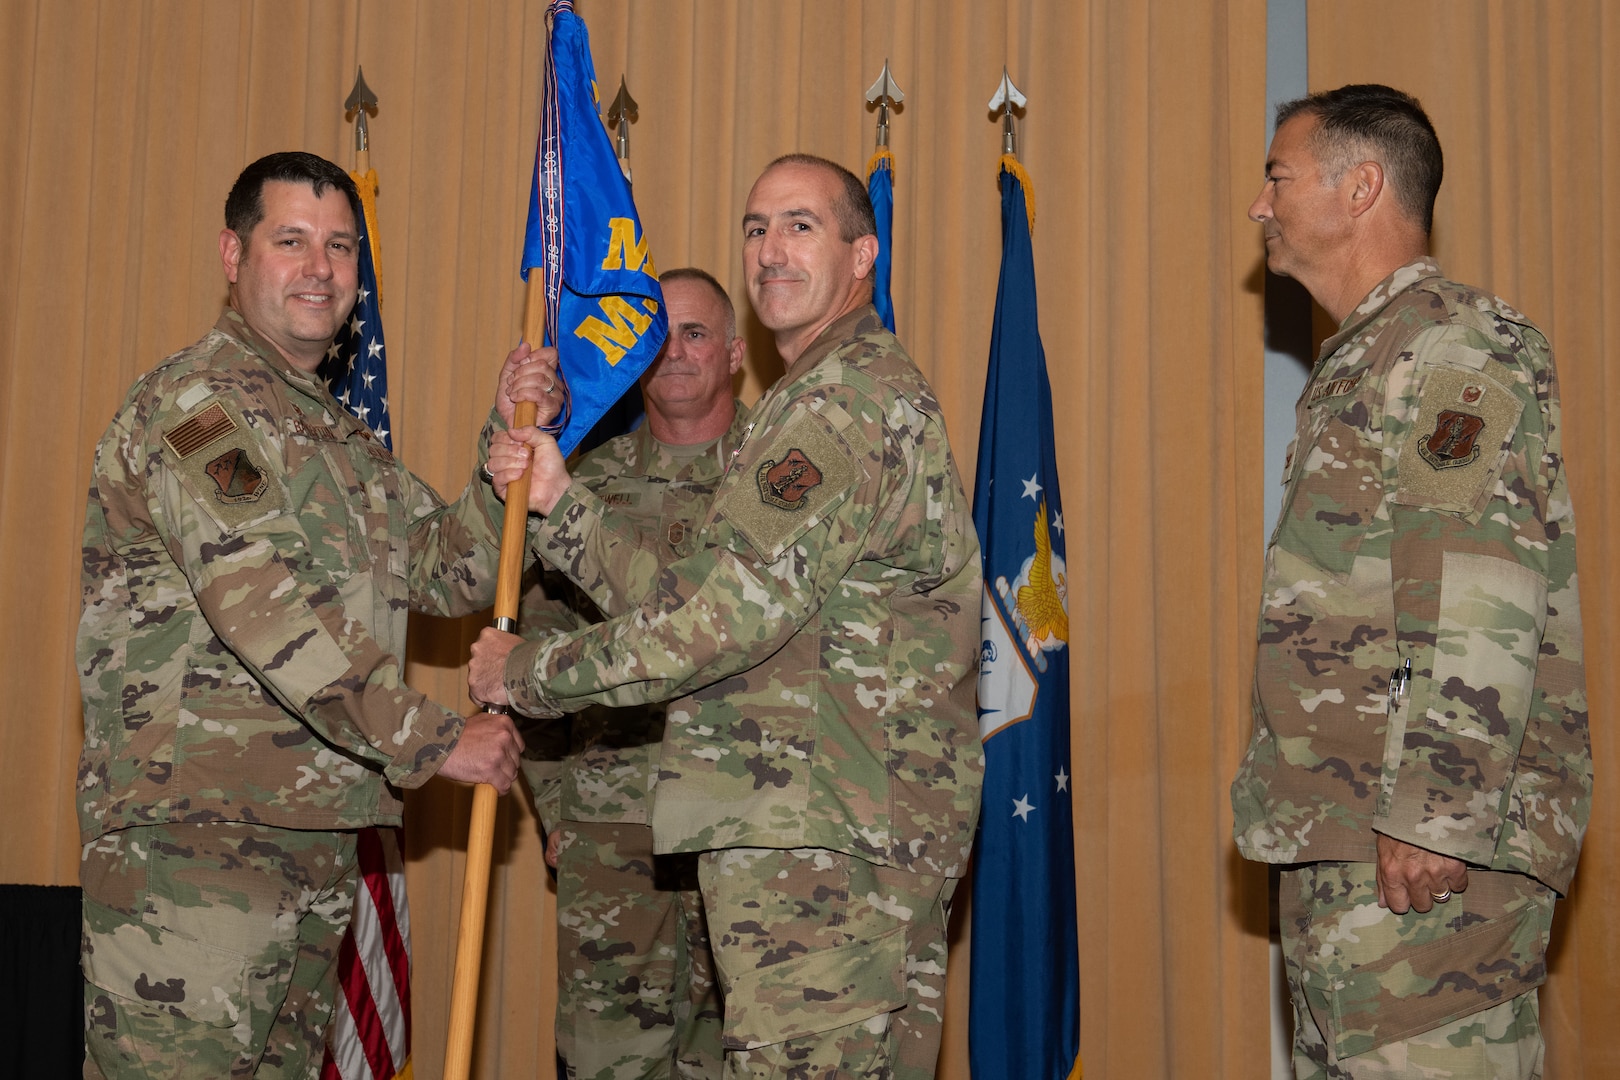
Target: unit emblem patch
[
  {"x": 238, "y": 479},
  {"x": 1455, "y": 441},
  {"x": 788, "y": 482}
]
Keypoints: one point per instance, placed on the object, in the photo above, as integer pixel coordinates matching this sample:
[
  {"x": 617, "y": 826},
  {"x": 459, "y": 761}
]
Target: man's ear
[
  {"x": 1367, "y": 185},
  {"x": 866, "y": 253},
  {"x": 230, "y": 253},
  {"x": 738, "y": 348}
]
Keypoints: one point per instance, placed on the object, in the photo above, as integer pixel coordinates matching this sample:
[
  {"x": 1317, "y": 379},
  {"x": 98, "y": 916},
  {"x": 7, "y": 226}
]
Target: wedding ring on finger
[
  {"x": 485, "y": 472},
  {"x": 1441, "y": 897}
]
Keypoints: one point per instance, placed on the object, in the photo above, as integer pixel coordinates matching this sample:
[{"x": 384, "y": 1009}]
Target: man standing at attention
[
  {"x": 636, "y": 997},
  {"x": 1420, "y": 758},
  {"x": 251, "y": 553},
  {"x": 823, "y": 756}
]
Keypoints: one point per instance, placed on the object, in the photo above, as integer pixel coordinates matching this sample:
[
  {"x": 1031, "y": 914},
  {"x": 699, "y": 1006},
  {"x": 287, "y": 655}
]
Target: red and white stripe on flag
[{"x": 370, "y": 1034}]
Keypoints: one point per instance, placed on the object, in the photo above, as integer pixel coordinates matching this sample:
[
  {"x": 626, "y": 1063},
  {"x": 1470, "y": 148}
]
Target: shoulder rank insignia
[
  {"x": 788, "y": 483},
  {"x": 1455, "y": 440},
  {"x": 239, "y": 480}
]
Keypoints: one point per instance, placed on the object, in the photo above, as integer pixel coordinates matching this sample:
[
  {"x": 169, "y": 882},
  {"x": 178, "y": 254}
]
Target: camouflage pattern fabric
[
  {"x": 637, "y": 996},
  {"x": 824, "y": 634},
  {"x": 823, "y": 637},
  {"x": 1380, "y": 995},
  {"x": 832, "y": 966},
  {"x": 1420, "y": 670},
  {"x": 636, "y": 990},
  {"x": 251, "y": 554},
  {"x": 210, "y": 950}
]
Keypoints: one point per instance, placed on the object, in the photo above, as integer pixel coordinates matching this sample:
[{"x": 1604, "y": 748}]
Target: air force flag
[{"x": 1024, "y": 1012}]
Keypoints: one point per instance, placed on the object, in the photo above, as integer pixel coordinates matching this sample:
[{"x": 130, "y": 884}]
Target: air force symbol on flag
[{"x": 1022, "y": 621}]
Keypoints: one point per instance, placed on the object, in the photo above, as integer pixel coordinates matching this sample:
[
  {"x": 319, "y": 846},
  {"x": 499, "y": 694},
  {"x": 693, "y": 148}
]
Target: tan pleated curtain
[{"x": 126, "y": 122}]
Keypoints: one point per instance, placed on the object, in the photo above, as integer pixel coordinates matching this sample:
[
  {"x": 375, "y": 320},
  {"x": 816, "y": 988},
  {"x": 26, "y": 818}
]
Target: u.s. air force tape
[
  {"x": 1453, "y": 455},
  {"x": 806, "y": 471}
]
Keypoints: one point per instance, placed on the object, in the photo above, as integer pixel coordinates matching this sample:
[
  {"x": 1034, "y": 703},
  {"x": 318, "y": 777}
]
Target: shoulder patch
[
  {"x": 787, "y": 484},
  {"x": 237, "y": 478},
  {"x": 196, "y": 432},
  {"x": 1454, "y": 453},
  {"x": 233, "y": 480},
  {"x": 806, "y": 471}
]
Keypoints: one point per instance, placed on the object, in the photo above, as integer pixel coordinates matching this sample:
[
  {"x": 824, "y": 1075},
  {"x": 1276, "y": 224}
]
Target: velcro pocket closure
[
  {"x": 816, "y": 992},
  {"x": 1493, "y": 614},
  {"x": 161, "y": 970}
]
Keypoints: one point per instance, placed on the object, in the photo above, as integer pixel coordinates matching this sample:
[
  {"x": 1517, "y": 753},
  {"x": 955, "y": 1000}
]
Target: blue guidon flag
[
  {"x": 604, "y": 309},
  {"x": 880, "y": 187},
  {"x": 1024, "y": 1000}
]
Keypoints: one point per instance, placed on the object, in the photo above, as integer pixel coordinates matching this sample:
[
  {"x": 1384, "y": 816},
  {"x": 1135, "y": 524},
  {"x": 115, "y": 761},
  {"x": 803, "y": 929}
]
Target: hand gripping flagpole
[{"x": 481, "y": 828}]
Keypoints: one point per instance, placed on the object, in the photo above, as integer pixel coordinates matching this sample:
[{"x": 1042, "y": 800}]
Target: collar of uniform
[
  {"x": 232, "y": 325},
  {"x": 648, "y": 448},
  {"x": 863, "y": 320},
  {"x": 1378, "y": 299}
]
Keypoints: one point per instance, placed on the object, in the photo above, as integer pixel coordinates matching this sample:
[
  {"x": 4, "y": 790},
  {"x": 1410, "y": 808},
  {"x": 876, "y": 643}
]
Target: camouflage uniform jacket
[
  {"x": 1426, "y": 519},
  {"x": 822, "y": 638},
  {"x": 250, "y": 555},
  {"x": 600, "y": 768}
]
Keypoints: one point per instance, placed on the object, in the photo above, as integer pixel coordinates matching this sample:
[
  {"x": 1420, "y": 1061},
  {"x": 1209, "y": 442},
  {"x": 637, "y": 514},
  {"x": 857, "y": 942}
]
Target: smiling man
[
  {"x": 251, "y": 553},
  {"x": 1420, "y": 761},
  {"x": 819, "y": 647}
]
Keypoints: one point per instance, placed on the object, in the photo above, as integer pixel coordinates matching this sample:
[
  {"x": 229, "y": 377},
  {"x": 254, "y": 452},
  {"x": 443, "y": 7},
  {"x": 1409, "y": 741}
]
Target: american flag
[
  {"x": 355, "y": 366},
  {"x": 370, "y": 1034}
]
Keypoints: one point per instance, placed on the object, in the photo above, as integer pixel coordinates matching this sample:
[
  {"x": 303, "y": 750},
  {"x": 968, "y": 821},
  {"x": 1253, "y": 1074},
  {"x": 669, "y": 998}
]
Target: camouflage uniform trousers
[
  {"x": 636, "y": 993},
  {"x": 1450, "y": 993},
  {"x": 831, "y": 966},
  {"x": 210, "y": 949}
]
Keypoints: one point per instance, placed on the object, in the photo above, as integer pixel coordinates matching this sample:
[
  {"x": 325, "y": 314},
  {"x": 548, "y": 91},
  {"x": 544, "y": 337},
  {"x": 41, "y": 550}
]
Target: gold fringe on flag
[
  {"x": 367, "y": 183},
  {"x": 881, "y": 159},
  {"x": 1011, "y": 164}
]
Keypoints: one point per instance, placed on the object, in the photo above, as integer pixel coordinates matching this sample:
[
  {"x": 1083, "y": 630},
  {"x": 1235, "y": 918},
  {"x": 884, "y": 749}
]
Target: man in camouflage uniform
[
  {"x": 251, "y": 553},
  {"x": 822, "y": 756},
  {"x": 636, "y": 996},
  {"x": 1420, "y": 759}
]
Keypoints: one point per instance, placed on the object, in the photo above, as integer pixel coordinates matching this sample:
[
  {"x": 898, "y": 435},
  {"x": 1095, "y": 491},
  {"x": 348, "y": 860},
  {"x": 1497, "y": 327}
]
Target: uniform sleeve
[
  {"x": 787, "y": 525},
  {"x": 582, "y": 539},
  {"x": 549, "y": 605},
  {"x": 454, "y": 549},
  {"x": 255, "y": 533},
  {"x": 1478, "y": 560}
]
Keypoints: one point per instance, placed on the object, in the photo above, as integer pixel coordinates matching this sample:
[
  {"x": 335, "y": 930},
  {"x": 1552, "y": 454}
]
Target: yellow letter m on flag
[
  {"x": 625, "y": 251},
  {"x": 620, "y": 327}
]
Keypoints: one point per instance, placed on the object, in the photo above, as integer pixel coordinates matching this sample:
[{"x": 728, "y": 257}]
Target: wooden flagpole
[{"x": 481, "y": 830}]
